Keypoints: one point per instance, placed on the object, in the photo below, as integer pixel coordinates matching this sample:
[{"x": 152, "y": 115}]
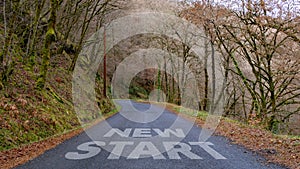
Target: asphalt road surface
[{"x": 134, "y": 143}]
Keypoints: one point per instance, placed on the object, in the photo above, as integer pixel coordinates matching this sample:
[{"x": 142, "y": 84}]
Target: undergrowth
[{"x": 28, "y": 115}]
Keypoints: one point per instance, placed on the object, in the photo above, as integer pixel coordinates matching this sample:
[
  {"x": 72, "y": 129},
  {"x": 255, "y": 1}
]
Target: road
[{"x": 130, "y": 145}]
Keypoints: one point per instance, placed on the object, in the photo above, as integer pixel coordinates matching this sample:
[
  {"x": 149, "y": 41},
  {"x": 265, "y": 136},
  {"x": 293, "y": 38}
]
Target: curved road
[{"x": 130, "y": 145}]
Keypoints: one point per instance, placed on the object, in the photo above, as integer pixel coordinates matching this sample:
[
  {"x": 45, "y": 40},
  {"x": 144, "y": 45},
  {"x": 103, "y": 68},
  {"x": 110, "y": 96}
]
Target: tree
[
  {"x": 11, "y": 15},
  {"x": 49, "y": 39},
  {"x": 258, "y": 44}
]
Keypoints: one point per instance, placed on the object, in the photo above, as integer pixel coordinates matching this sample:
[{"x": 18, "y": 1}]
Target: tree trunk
[
  {"x": 206, "y": 77},
  {"x": 50, "y": 37},
  {"x": 31, "y": 50}
]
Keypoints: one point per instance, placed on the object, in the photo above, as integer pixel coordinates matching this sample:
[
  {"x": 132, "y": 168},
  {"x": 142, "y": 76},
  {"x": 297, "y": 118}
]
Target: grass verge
[{"x": 20, "y": 155}]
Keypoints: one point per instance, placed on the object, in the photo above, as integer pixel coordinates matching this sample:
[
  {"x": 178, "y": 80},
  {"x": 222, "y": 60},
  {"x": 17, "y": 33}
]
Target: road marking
[
  {"x": 167, "y": 132},
  {"x": 142, "y": 132},
  {"x": 118, "y": 149},
  {"x": 145, "y": 148},
  {"x": 121, "y": 133},
  {"x": 185, "y": 149},
  {"x": 145, "y": 132},
  {"x": 209, "y": 150},
  {"x": 92, "y": 151}
]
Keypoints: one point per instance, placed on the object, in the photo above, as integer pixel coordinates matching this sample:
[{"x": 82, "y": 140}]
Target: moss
[{"x": 50, "y": 36}]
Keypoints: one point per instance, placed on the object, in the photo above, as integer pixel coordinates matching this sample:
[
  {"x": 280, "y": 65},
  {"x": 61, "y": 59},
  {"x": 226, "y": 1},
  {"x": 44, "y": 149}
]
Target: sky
[{"x": 288, "y": 5}]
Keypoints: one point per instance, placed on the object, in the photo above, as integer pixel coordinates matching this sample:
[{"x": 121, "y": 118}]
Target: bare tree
[{"x": 256, "y": 44}]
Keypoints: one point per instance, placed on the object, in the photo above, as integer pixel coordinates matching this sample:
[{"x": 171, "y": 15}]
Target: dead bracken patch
[
  {"x": 276, "y": 149},
  {"x": 280, "y": 150}
]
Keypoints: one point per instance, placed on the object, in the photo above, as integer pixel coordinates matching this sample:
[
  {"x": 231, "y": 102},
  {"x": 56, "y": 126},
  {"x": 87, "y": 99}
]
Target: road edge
[{"x": 20, "y": 155}]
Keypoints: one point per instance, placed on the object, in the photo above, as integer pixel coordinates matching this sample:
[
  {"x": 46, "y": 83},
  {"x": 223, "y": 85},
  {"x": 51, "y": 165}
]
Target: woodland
[{"x": 259, "y": 42}]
